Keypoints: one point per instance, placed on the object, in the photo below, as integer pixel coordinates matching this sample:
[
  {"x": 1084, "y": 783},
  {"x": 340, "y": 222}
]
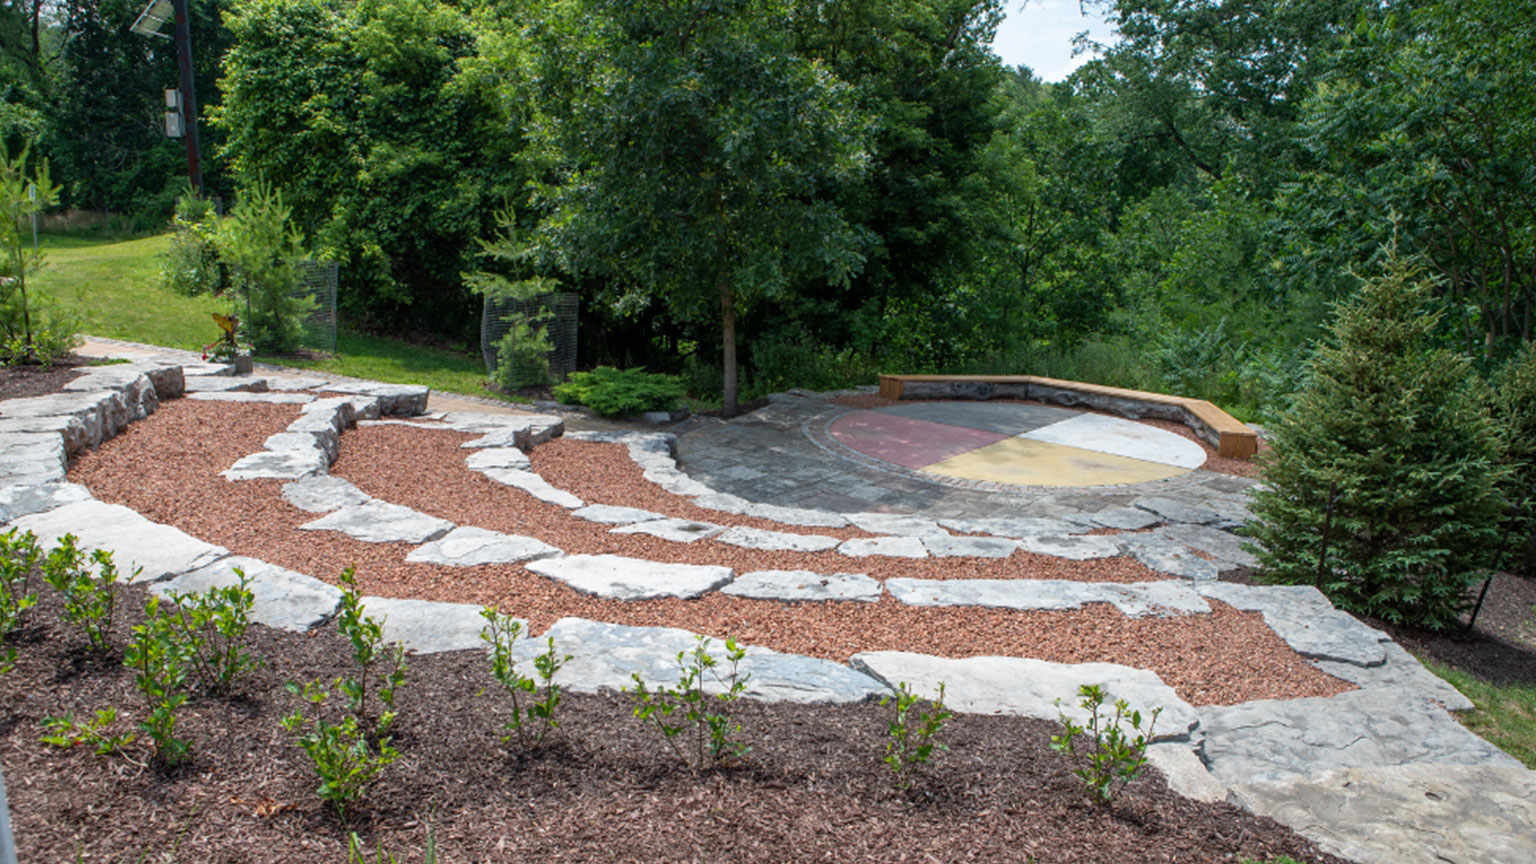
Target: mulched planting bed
[
  {"x": 605, "y": 788},
  {"x": 166, "y": 467},
  {"x": 21, "y": 381}
]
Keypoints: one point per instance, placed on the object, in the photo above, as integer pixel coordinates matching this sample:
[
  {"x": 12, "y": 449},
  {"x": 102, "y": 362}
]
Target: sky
[{"x": 1038, "y": 34}]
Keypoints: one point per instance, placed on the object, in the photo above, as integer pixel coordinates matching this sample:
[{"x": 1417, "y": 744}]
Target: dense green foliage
[
  {"x": 1514, "y": 407},
  {"x": 620, "y": 392},
  {"x": 262, "y": 250},
  {"x": 1383, "y": 486}
]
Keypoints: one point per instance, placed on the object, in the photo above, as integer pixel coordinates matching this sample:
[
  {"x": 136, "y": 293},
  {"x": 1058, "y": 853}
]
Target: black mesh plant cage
[
  {"x": 529, "y": 342},
  {"x": 318, "y": 279}
]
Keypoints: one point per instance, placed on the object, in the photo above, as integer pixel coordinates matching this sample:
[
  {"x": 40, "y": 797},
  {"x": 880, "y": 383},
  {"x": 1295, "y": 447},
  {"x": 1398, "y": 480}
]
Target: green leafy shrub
[
  {"x": 616, "y": 392},
  {"x": 160, "y": 668},
  {"x": 1514, "y": 409},
  {"x": 1382, "y": 487},
  {"x": 68, "y": 732},
  {"x": 262, "y": 251},
  {"x": 522, "y": 355},
  {"x": 90, "y": 598},
  {"x": 19, "y": 556},
  {"x": 192, "y": 264},
  {"x": 22, "y": 320},
  {"x": 1115, "y": 755},
  {"x": 366, "y": 636},
  {"x": 912, "y": 743},
  {"x": 531, "y": 722},
  {"x": 711, "y": 743},
  {"x": 212, "y": 628},
  {"x": 347, "y": 755}
]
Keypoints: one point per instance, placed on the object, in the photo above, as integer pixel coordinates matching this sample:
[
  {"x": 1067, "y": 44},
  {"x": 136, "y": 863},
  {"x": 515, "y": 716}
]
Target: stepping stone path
[
  {"x": 1382, "y": 773},
  {"x": 676, "y": 530}
]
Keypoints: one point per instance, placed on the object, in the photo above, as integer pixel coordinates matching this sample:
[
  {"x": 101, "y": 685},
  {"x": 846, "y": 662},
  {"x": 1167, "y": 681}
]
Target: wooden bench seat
[{"x": 1227, "y": 434}]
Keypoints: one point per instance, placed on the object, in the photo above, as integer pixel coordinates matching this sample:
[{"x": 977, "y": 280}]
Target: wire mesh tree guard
[
  {"x": 529, "y": 342},
  {"x": 318, "y": 279}
]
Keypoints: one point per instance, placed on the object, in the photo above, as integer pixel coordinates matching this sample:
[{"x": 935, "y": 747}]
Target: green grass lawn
[
  {"x": 1505, "y": 716},
  {"x": 112, "y": 285}
]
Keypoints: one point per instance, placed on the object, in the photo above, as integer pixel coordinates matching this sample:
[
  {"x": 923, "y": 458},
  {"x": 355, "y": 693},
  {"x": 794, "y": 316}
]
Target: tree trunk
[{"x": 728, "y": 349}]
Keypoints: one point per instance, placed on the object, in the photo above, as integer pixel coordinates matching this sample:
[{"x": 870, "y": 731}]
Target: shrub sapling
[
  {"x": 1115, "y": 756},
  {"x": 910, "y": 744},
  {"x": 531, "y": 722},
  {"x": 712, "y": 745}
]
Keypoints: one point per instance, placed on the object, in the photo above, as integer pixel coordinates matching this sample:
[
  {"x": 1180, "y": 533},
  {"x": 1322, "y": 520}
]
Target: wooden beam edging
[{"x": 1231, "y": 438}]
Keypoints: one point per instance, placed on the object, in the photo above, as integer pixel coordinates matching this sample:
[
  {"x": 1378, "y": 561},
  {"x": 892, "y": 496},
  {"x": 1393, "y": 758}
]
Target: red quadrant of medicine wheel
[{"x": 907, "y": 442}]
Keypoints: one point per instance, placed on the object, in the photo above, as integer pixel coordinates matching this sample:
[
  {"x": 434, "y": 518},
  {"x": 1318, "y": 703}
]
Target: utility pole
[{"x": 188, "y": 95}]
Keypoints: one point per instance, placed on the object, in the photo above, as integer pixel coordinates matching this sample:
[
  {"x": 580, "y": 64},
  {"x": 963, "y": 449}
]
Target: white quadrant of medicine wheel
[{"x": 1120, "y": 437}]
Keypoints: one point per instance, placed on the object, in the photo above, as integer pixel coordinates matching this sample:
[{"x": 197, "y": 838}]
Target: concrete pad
[
  {"x": 1134, "y": 600},
  {"x": 779, "y": 541},
  {"x": 894, "y": 547},
  {"x": 1005, "y": 418},
  {"x": 427, "y": 627},
  {"x": 281, "y": 598},
  {"x": 160, "y": 550},
  {"x": 1120, "y": 437},
  {"x": 804, "y": 586},
  {"x": 1025, "y": 462},
  {"x": 378, "y": 522},
  {"x": 675, "y": 530},
  {"x": 631, "y": 578},
  {"x": 907, "y": 442},
  {"x": 468, "y": 546}
]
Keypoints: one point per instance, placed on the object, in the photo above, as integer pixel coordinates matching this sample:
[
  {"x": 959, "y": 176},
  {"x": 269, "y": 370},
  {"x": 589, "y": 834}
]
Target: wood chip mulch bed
[
  {"x": 813, "y": 787},
  {"x": 166, "y": 467},
  {"x": 22, "y": 381}
]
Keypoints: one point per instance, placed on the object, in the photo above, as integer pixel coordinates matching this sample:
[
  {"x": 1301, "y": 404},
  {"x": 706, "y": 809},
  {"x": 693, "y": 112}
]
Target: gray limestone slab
[
  {"x": 323, "y": 493},
  {"x": 280, "y": 465},
  {"x": 208, "y": 368},
  {"x": 779, "y": 541},
  {"x": 1079, "y": 548},
  {"x": 534, "y": 485},
  {"x": 676, "y": 482},
  {"x": 281, "y": 598},
  {"x": 226, "y": 384},
  {"x": 1281, "y": 739},
  {"x": 72, "y": 431},
  {"x": 1016, "y": 527},
  {"x": 605, "y": 656},
  {"x": 1168, "y": 556},
  {"x": 499, "y": 439},
  {"x": 134, "y": 385},
  {"x": 1304, "y": 618},
  {"x": 26, "y": 499},
  {"x": 1402, "y": 674},
  {"x": 798, "y": 516},
  {"x": 675, "y": 530},
  {"x": 468, "y": 546},
  {"x": 631, "y": 578},
  {"x": 724, "y": 503},
  {"x": 1029, "y": 688},
  {"x": 893, "y": 547},
  {"x": 1124, "y": 518},
  {"x": 339, "y": 412},
  {"x": 303, "y": 441},
  {"x": 379, "y": 522},
  {"x": 364, "y": 407},
  {"x": 947, "y": 546},
  {"x": 1134, "y": 600},
  {"x": 253, "y": 398},
  {"x": 897, "y": 524},
  {"x": 45, "y": 447},
  {"x": 30, "y": 473},
  {"x": 1006, "y": 418},
  {"x": 135, "y": 542},
  {"x": 498, "y": 457},
  {"x": 1176, "y": 510},
  {"x": 393, "y": 398},
  {"x": 1224, "y": 545},
  {"x": 102, "y": 413},
  {"x": 286, "y": 382},
  {"x": 426, "y": 626},
  {"x": 608, "y": 514},
  {"x": 1409, "y": 814},
  {"x": 1184, "y": 771},
  {"x": 168, "y": 379},
  {"x": 796, "y": 586}
]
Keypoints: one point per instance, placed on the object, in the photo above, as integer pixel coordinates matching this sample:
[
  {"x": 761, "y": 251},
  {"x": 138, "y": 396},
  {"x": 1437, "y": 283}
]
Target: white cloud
[{"x": 1038, "y": 34}]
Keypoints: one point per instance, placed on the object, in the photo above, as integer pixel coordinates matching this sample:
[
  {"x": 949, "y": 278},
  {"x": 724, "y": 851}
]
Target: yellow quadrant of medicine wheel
[{"x": 1025, "y": 462}]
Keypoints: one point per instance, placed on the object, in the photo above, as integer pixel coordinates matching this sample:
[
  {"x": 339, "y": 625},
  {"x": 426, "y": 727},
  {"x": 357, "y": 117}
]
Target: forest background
[{"x": 819, "y": 190}]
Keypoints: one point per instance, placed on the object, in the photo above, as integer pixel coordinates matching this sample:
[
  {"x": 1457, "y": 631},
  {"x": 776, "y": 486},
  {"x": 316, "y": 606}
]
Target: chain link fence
[
  {"x": 318, "y": 279},
  {"x": 526, "y": 343}
]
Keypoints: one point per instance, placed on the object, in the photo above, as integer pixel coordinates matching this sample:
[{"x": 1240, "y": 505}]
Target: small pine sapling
[
  {"x": 910, "y": 744},
  {"x": 533, "y": 721},
  {"x": 1114, "y": 755},
  {"x": 712, "y": 745}
]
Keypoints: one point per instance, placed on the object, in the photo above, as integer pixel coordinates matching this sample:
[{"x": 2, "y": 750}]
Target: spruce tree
[
  {"x": 1514, "y": 409},
  {"x": 1394, "y": 433}
]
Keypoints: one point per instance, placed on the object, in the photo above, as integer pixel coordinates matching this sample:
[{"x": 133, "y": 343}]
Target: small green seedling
[
  {"x": 910, "y": 744},
  {"x": 1114, "y": 755},
  {"x": 712, "y": 745}
]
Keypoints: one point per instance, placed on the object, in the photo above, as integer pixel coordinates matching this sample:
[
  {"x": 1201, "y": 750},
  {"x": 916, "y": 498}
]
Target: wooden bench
[{"x": 1230, "y": 437}]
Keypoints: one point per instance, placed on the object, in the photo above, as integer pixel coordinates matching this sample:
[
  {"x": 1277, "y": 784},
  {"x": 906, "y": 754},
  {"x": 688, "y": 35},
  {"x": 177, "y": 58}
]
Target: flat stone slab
[
  {"x": 804, "y": 586},
  {"x": 72, "y": 431},
  {"x": 675, "y": 530},
  {"x": 1174, "y": 510},
  {"x": 1134, "y": 600},
  {"x": 283, "y": 382},
  {"x": 1402, "y": 674},
  {"x": 252, "y": 398},
  {"x": 26, "y": 499},
  {"x": 534, "y": 485},
  {"x": 393, "y": 398},
  {"x": 1016, "y": 527},
  {"x": 897, "y": 524},
  {"x": 1123, "y": 518},
  {"x": 1159, "y": 553},
  {"x": 1411, "y": 814},
  {"x": 468, "y": 546},
  {"x": 779, "y": 541},
  {"x": 100, "y": 414},
  {"x": 1304, "y": 618},
  {"x": 1184, "y": 771},
  {"x": 380, "y": 522},
  {"x": 604, "y": 656},
  {"x": 1029, "y": 688},
  {"x": 1224, "y": 545},
  {"x": 168, "y": 379},
  {"x": 1072, "y": 548},
  {"x": 893, "y": 547},
  {"x": 947, "y": 546},
  {"x": 428, "y": 627},
  {"x": 608, "y": 514},
  {"x": 497, "y": 457},
  {"x": 323, "y": 493},
  {"x": 1282, "y": 739},
  {"x": 631, "y": 578},
  {"x": 225, "y": 384},
  {"x": 281, "y": 598},
  {"x": 799, "y": 516},
  {"x": 499, "y": 439},
  {"x": 279, "y": 465},
  {"x": 160, "y": 550}
]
